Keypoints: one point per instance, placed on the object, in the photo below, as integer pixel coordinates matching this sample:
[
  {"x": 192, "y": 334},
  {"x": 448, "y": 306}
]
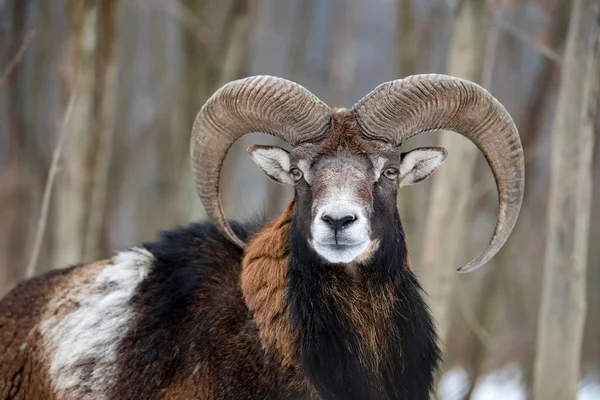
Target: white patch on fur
[
  {"x": 83, "y": 343},
  {"x": 274, "y": 161},
  {"x": 23, "y": 347},
  {"x": 420, "y": 163}
]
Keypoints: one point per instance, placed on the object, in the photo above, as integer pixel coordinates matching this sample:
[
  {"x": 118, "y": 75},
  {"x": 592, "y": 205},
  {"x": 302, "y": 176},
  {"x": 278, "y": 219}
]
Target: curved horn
[
  {"x": 256, "y": 104},
  {"x": 400, "y": 109}
]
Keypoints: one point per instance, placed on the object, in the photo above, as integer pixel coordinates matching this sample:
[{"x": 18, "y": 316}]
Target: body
[
  {"x": 320, "y": 303},
  {"x": 175, "y": 324}
]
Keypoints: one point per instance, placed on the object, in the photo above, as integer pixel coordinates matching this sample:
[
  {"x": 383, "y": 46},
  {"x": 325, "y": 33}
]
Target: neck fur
[{"x": 363, "y": 336}]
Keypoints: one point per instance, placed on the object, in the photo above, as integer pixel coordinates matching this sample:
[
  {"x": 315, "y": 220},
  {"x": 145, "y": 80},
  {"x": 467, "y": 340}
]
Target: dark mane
[{"x": 371, "y": 339}]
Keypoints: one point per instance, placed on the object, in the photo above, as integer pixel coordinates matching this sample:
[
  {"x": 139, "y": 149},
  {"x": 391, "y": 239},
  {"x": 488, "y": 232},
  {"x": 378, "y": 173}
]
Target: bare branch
[
  {"x": 491, "y": 47},
  {"x": 41, "y": 225},
  {"x": 17, "y": 57},
  {"x": 477, "y": 327},
  {"x": 177, "y": 10},
  {"x": 525, "y": 39}
]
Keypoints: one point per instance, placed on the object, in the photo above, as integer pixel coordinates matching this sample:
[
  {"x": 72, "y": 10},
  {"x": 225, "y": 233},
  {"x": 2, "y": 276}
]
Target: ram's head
[{"x": 345, "y": 164}]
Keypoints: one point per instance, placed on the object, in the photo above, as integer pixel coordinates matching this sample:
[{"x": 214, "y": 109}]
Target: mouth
[
  {"x": 340, "y": 252},
  {"x": 338, "y": 245}
]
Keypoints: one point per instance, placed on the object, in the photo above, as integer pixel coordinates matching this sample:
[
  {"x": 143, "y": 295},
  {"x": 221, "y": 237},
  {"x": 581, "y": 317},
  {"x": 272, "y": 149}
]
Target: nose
[{"x": 338, "y": 224}]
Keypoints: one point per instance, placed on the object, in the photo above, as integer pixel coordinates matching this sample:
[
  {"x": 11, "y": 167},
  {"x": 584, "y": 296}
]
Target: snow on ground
[
  {"x": 454, "y": 384},
  {"x": 589, "y": 389},
  {"x": 504, "y": 384}
]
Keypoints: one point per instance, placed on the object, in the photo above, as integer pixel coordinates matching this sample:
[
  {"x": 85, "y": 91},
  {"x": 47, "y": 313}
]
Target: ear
[
  {"x": 274, "y": 161},
  {"x": 419, "y": 164}
]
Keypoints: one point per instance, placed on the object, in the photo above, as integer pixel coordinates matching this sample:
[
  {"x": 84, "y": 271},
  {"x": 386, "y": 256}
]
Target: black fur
[
  {"x": 190, "y": 312},
  {"x": 328, "y": 345}
]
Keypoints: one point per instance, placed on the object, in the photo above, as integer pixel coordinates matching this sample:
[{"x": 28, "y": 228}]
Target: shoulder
[{"x": 189, "y": 302}]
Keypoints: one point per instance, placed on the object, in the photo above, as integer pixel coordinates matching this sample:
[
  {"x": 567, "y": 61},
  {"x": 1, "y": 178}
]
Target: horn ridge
[
  {"x": 259, "y": 103},
  {"x": 398, "y": 110}
]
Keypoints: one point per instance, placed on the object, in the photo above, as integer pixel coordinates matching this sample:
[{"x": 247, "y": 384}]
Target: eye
[
  {"x": 391, "y": 173},
  {"x": 296, "y": 174}
]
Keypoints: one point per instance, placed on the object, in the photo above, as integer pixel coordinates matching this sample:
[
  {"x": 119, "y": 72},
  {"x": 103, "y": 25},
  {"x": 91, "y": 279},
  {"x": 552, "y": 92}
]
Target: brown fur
[
  {"x": 24, "y": 359},
  {"x": 345, "y": 136},
  {"x": 369, "y": 309},
  {"x": 193, "y": 386},
  {"x": 263, "y": 282}
]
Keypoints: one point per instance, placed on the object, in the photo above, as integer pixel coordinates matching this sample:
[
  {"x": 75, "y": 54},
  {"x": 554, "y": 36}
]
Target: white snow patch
[
  {"x": 589, "y": 388},
  {"x": 504, "y": 384},
  {"x": 454, "y": 384}
]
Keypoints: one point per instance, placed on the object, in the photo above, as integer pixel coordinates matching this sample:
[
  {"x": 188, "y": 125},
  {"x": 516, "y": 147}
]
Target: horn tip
[
  {"x": 238, "y": 242},
  {"x": 468, "y": 268}
]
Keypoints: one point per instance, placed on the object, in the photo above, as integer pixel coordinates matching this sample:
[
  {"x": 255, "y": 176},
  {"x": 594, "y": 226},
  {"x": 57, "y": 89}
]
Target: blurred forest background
[{"x": 97, "y": 100}]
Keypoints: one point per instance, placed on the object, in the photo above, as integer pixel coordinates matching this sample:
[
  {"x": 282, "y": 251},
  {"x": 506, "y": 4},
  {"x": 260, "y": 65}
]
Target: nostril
[
  {"x": 327, "y": 219},
  {"x": 347, "y": 220},
  {"x": 339, "y": 223}
]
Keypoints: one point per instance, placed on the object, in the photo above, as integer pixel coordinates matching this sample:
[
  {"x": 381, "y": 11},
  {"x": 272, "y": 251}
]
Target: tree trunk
[
  {"x": 104, "y": 108},
  {"x": 230, "y": 60},
  {"x": 91, "y": 78},
  {"x": 410, "y": 200},
  {"x": 531, "y": 122},
  {"x": 446, "y": 218},
  {"x": 76, "y": 179},
  {"x": 563, "y": 308},
  {"x": 13, "y": 196},
  {"x": 406, "y": 56},
  {"x": 205, "y": 68}
]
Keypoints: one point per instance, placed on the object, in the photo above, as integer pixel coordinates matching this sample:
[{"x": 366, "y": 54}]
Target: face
[{"x": 345, "y": 189}]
